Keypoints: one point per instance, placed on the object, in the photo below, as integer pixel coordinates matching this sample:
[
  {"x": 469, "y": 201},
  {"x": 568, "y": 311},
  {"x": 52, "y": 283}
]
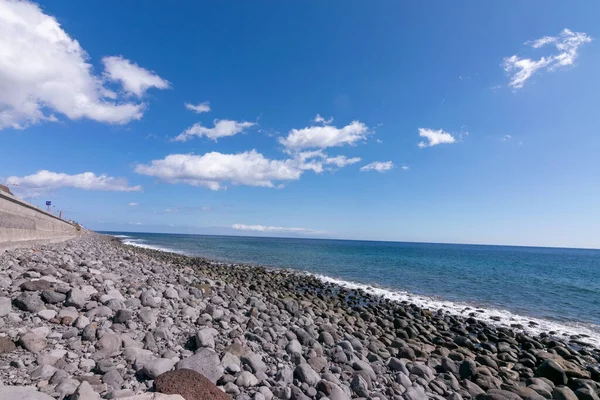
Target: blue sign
[{"x": 48, "y": 203}]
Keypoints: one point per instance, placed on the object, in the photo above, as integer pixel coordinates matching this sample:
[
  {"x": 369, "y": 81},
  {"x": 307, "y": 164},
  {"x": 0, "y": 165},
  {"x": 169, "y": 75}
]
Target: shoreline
[
  {"x": 93, "y": 315},
  {"x": 561, "y": 330}
]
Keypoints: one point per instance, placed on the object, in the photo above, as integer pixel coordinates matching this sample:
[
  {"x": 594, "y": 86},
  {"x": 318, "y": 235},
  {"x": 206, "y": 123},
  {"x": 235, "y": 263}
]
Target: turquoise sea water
[{"x": 556, "y": 289}]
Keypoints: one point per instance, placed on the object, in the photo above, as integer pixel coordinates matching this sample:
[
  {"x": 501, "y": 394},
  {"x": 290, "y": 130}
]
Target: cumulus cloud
[
  {"x": 434, "y": 137},
  {"x": 221, "y": 128},
  {"x": 264, "y": 228},
  {"x": 199, "y": 108},
  {"x": 320, "y": 120},
  {"x": 43, "y": 72},
  {"x": 132, "y": 204},
  {"x": 321, "y": 137},
  {"x": 215, "y": 170},
  {"x": 134, "y": 79},
  {"x": 211, "y": 170},
  {"x": 44, "y": 181},
  {"x": 379, "y": 166},
  {"x": 567, "y": 43},
  {"x": 405, "y": 167}
]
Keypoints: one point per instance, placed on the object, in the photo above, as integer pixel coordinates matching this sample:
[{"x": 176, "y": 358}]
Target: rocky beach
[{"x": 92, "y": 318}]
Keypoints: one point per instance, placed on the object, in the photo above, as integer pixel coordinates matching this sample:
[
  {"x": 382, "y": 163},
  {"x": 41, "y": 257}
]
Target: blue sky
[{"x": 502, "y": 96}]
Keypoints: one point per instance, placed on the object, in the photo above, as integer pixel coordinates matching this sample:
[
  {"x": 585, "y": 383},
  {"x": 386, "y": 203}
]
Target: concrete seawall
[{"x": 22, "y": 224}]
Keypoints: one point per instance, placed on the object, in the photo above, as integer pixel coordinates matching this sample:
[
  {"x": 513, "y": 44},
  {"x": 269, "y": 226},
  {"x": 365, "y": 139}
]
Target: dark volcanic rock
[
  {"x": 551, "y": 370},
  {"x": 189, "y": 384},
  {"x": 35, "y": 286},
  {"x": 563, "y": 393},
  {"x": 29, "y": 301}
]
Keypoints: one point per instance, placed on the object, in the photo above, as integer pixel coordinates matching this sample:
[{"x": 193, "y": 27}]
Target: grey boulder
[{"x": 204, "y": 361}]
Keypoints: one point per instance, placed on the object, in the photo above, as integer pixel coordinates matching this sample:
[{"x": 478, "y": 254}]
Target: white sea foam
[
  {"x": 141, "y": 243},
  {"x": 120, "y": 236},
  {"x": 488, "y": 315}
]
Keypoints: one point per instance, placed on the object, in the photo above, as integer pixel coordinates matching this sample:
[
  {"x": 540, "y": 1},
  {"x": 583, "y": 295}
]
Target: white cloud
[
  {"x": 214, "y": 170},
  {"x": 405, "y": 168},
  {"x": 44, "y": 181},
  {"x": 263, "y": 228},
  {"x": 315, "y": 160},
  {"x": 567, "y": 43},
  {"x": 320, "y": 137},
  {"x": 320, "y": 120},
  {"x": 200, "y": 108},
  {"x": 506, "y": 137},
  {"x": 135, "y": 223},
  {"x": 134, "y": 79},
  {"x": 44, "y": 71},
  {"x": 132, "y": 204},
  {"x": 435, "y": 137},
  {"x": 379, "y": 166},
  {"x": 222, "y": 128},
  {"x": 211, "y": 170},
  {"x": 341, "y": 161}
]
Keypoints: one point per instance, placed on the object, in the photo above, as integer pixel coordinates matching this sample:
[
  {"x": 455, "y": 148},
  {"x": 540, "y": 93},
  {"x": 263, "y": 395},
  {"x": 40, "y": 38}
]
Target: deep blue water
[{"x": 561, "y": 286}]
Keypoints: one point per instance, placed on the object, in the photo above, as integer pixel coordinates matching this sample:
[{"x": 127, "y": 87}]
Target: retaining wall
[{"x": 22, "y": 224}]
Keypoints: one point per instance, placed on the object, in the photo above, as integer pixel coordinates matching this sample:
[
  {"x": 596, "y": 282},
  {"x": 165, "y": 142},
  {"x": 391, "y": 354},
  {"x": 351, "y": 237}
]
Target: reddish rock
[{"x": 190, "y": 384}]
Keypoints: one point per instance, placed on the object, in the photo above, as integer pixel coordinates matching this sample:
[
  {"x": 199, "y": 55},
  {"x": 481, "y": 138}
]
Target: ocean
[{"x": 543, "y": 289}]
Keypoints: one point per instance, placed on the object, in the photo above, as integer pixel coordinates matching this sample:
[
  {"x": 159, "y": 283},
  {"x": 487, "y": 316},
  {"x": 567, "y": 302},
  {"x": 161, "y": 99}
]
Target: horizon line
[{"x": 358, "y": 240}]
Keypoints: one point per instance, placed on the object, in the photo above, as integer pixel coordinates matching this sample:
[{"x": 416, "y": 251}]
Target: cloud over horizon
[
  {"x": 44, "y": 181},
  {"x": 264, "y": 228}
]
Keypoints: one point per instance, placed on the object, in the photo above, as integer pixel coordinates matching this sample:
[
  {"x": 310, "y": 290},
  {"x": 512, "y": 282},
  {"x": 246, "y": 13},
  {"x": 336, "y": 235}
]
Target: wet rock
[
  {"x": 551, "y": 370},
  {"x": 467, "y": 369},
  {"x": 585, "y": 393},
  {"x": 563, "y": 393}
]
